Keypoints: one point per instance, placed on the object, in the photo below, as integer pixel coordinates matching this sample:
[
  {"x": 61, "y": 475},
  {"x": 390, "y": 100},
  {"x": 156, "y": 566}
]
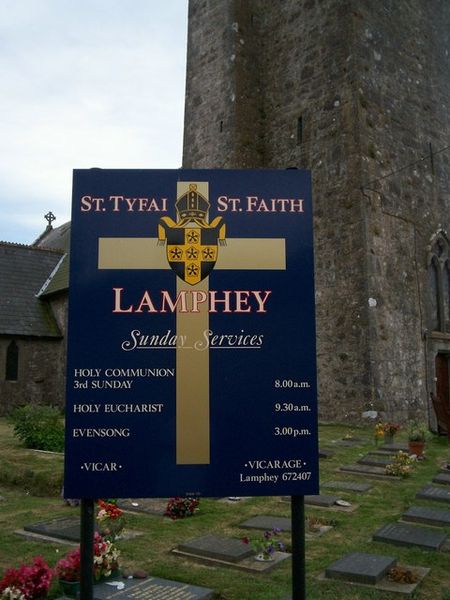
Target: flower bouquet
[
  {"x": 401, "y": 465},
  {"x": 68, "y": 572},
  {"x": 110, "y": 520},
  {"x": 390, "y": 429},
  {"x": 106, "y": 563},
  {"x": 386, "y": 432},
  {"x": 68, "y": 568},
  {"x": 378, "y": 433},
  {"x": 178, "y": 508},
  {"x": 106, "y": 557},
  {"x": 266, "y": 547},
  {"x": 28, "y": 582}
]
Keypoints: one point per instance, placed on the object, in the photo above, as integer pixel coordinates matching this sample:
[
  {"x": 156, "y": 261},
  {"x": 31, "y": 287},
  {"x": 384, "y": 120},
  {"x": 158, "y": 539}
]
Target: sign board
[{"x": 191, "y": 341}]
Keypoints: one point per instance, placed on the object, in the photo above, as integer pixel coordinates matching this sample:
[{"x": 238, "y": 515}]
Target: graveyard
[{"x": 364, "y": 526}]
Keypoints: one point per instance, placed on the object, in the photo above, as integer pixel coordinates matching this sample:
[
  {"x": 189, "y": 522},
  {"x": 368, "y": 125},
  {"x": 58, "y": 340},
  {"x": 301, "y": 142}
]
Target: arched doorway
[
  {"x": 442, "y": 378},
  {"x": 441, "y": 399}
]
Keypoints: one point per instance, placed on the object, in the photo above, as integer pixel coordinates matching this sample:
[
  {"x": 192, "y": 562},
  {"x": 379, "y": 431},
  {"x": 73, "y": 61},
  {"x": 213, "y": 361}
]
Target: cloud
[{"x": 98, "y": 83}]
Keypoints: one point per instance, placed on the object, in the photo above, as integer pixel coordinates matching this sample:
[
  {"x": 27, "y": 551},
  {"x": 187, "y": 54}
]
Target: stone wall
[
  {"x": 41, "y": 366},
  {"x": 404, "y": 87},
  {"x": 353, "y": 91},
  {"x": 40, "y": 374}
]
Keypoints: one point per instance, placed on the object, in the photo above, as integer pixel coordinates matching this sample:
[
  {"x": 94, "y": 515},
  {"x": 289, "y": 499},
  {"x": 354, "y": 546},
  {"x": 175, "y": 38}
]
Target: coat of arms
[{"x": 192, "y": 242}]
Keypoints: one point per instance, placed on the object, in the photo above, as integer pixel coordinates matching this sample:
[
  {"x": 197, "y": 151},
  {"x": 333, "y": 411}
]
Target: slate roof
[
  {"x": 58, "y": 239},
  {"x": 23, "y": 271}
]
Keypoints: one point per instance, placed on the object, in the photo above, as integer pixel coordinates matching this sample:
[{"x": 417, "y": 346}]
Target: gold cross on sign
[{"x": 192, "y": 366}]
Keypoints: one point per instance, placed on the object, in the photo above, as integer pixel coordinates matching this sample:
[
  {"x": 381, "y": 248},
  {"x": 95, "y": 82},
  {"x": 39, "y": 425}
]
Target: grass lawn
[{"x": 30, "y": 484}]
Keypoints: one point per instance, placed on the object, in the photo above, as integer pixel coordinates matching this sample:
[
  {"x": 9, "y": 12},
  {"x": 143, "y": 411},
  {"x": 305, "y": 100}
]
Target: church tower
[{"x": 358, "y": 92}]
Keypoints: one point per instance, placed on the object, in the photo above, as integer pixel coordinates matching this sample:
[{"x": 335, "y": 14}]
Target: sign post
[
  {"x": 191, "y": 346},
  {"x": 86, "y": 548},
  {"x": 298, "y": 548}
]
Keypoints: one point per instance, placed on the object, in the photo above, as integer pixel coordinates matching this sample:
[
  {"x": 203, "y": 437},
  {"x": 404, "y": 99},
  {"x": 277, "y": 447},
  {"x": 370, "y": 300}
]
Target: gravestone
[
  {"x": 371, "y": 570},
  {"x": 151, "y": 506},
  {"x": 361, "y": 568},
  {"x": 233, "y": 499},
  {"x": 267, "y": 523},
  {"x": 393, "y": 448},
  {"x": 430, "y": 492},
  {"x": 352, "y": 442},
  {"x": 375, "y": 460},
  {"x": 62, "y": 528},
  {"x": 379, "y": 452},
  {"x": 430, "y": 516},
  {"x": 325, "y": 453},
  {"x": 322, "y": 501},
  {"x": 401, "y": 534},
  {"x": 217, "y": 548},
  {"x": 366, "y": 470},
  {"x": 152, "y": 588},
  {"x": 348, "y": 486},
  {"x": 227, "y": 552},
  {"x": 442, "y": 478}
]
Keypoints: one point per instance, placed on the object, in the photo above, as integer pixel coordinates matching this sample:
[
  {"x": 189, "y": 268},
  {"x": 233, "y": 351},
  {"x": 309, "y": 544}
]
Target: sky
[{"x": 85, "y": 83}]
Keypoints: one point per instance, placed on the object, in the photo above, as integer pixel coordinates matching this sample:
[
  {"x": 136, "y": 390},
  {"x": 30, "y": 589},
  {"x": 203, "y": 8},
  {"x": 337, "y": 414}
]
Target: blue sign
[{"x": 191, "y": 346}]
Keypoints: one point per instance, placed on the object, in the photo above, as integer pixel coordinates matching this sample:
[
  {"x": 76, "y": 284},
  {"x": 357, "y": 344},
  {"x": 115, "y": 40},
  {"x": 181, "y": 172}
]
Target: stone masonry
[
  {"x": 41, "y": 374},
  {"x": 357, "y": 91}
]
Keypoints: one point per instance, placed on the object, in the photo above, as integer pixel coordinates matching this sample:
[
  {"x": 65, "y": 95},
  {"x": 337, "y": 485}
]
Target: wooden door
[
  {"x": 442, "y": 379},
  {"x": 441, "y": 400}
]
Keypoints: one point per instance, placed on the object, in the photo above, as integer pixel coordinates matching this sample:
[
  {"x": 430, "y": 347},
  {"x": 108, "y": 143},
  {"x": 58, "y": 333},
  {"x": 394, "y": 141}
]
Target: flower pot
[
  {"x": 261, "y": 557},
  {"x": 70, "y": 588},
  {"x": 115, "y": 573},
  {"x": 416, "y": 447}
]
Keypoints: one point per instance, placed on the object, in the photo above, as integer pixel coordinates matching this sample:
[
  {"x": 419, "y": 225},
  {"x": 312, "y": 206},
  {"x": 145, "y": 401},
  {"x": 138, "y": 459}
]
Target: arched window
[
  {"x": 12, "y": 362},
  {"x": 439, "y": 283},
  {"x": 433, "y": 284}
]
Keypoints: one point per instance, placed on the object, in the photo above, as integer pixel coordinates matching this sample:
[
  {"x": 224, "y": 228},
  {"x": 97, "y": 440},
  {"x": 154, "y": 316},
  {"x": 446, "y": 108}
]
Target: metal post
[
  {"x": 298, "y": 547},
  {"x": 86, "y": 549}
]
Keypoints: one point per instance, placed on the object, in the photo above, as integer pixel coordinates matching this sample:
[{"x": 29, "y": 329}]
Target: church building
[
  {"x": 33, "y": 316},
  {"x": 356, "y": 92}
]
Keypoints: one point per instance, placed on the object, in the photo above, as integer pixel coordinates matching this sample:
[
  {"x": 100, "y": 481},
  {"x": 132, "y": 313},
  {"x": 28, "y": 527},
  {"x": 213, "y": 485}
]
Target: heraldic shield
[
  {"x": 192, "y": 251},
  {"x": 192, "y": 242}
]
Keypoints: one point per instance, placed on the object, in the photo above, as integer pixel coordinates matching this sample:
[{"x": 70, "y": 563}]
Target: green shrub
[
  {"x": 35, "y": 482},
  {"x": 446, "y": 594},
  {"x": 39, "y": 427}
]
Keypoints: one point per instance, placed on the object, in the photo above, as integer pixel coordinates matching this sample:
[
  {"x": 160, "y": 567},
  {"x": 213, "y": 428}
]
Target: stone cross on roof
[{"x": 50, "y": 217}]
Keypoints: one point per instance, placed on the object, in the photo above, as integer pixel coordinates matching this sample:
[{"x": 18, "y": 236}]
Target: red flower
[
  {"x": 112, "y": 510},
  {"x": 33, "y": 580},
  {"x": 68, "y": 568},
  {"x": 177, "y": 508}
]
